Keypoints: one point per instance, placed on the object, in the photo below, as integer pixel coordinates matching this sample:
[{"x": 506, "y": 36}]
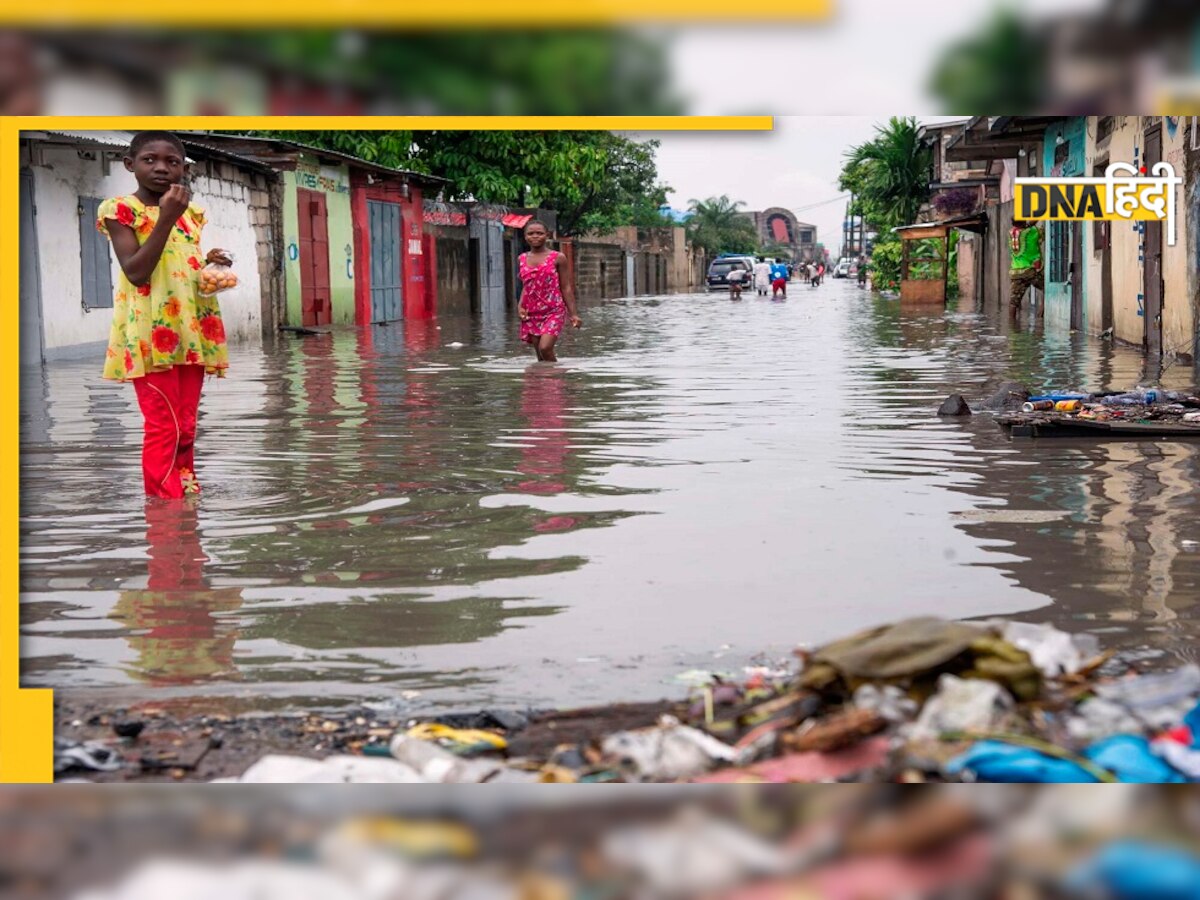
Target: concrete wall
[
  {"x": 996, "y": 257},
  {"x": 1126, "y": 244},
  {"x": 1098, "y": 153},
  {"x": 1179, "y": 313},
  {"x": 599, "y": 270},
  {"x": 453, "y": 270},
  {"x": 334, "y": 183},
  {"x": 69, "y": 329},
  {"x": 1192, "y": 224},
  {"x": 1179, "y": 310},
  {"x": 970, "y": 248}
]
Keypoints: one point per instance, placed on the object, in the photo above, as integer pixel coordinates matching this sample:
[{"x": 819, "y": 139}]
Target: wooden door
[
  {"x": 1152, "y": 276},
  {"x": 316, "y": 306}
]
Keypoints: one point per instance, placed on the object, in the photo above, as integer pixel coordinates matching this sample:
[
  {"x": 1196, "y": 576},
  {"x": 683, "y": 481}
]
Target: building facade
[{"x": 67, "y": 268}]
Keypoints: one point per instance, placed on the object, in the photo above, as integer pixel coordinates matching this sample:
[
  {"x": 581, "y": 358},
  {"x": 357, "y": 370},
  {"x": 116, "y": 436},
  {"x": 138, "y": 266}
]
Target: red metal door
[{"x": 316, "y": 307}]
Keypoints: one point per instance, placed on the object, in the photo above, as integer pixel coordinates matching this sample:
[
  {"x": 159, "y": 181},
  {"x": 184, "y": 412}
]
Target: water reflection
[
  {"x": 174, "y": 625},
  {"x": 419, "y": 506}
]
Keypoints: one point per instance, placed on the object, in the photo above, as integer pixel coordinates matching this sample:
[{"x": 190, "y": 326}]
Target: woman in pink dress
[{"x": 546, "y": 295}]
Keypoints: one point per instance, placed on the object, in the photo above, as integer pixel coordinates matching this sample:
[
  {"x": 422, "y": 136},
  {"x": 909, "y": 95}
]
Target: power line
[{"x": 822, "y": 203}]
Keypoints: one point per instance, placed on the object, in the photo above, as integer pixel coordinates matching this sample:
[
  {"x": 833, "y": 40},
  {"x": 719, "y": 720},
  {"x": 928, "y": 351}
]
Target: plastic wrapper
[{"x": 218, "y": 274}]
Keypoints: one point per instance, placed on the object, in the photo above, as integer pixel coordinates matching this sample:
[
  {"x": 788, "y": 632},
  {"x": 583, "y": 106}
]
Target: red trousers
[{"x": 169, "y": 401}]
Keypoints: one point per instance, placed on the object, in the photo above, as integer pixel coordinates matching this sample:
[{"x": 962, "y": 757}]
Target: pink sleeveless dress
[{"x": 541, "y": 295}]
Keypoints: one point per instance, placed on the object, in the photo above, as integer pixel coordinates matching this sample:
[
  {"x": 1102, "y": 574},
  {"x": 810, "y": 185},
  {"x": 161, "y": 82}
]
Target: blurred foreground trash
[{"x": 1138, "y": 870}]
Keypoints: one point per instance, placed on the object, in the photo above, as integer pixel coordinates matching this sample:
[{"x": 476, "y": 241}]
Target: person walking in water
[
  {"x": 779, "y": 281},
  {"x": 1025, "y": 271},
  {"x": 165, "y": 336},
  {"x": 546, "y": 295},
  {"x": 762, "y": 277}
]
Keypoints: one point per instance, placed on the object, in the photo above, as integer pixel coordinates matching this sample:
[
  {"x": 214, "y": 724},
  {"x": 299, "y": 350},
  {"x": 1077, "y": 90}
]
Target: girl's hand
[
  {"x": 576, "y": 322},
  {"x": 219, "y": 257},
  {"x": 522, "y": 313},
  {"x": 174, "y": 202}
]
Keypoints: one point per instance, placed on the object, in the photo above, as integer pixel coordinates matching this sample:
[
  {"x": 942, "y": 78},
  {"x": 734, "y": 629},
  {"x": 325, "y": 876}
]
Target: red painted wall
[{"x": 417, "y": 273}]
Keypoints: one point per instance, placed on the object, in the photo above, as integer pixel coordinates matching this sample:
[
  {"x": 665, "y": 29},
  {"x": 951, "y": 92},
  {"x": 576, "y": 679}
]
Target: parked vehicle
[
  {"x": 842, "y": 269},
  {"x": 718, "y": 272}
]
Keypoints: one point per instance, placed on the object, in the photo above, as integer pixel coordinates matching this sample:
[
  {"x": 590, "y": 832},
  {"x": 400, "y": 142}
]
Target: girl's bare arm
[{"x": 137, "y": 262}]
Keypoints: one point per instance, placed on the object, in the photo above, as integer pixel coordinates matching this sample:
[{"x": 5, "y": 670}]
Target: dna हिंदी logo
[{"x": 1123, "y": 193}]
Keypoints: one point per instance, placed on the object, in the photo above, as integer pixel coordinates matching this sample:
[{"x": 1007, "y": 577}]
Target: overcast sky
[
  {"x": 873, "y": 57},
  {"x": 794, "y": 166}
]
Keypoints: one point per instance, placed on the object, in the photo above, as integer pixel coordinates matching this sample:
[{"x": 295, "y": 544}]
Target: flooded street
[{"x": 419, "y": 515}]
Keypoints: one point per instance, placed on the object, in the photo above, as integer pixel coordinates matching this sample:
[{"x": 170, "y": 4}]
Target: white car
[{"x": 842, "y": 269}]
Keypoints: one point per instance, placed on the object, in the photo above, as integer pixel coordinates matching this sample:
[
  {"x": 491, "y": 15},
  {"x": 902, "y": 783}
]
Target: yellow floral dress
[{"x": 164, "y": 323}]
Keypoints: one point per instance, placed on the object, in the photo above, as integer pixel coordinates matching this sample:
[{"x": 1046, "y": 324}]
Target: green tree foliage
[
  {"x": 885, "y": 263},
  {"x": 718, "y": 226},
  {"x": 889, "y": 174},
  {"x": 595, "y": 180},
  {"x": 517, "y": 72},
  {"x": 1002, "y": 68}
]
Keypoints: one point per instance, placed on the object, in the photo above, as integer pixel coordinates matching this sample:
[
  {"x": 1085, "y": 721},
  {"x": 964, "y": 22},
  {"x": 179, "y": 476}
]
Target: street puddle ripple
[{"x": 421, "y": 511}]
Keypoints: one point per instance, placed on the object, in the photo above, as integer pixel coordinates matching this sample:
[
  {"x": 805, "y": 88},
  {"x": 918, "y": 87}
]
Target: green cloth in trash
[{"x": 920, "y": 649}]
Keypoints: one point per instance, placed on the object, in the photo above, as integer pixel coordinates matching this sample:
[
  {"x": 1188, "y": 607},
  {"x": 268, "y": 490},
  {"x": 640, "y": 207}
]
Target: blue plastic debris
[
  {"x": 1011, "y": 764},
  {"x": 1128, "y": 757},
  {"x": 1136, "y": 870},
  {"x": 1057, "y": 397},
  {"x": 1131, "y": 760}
]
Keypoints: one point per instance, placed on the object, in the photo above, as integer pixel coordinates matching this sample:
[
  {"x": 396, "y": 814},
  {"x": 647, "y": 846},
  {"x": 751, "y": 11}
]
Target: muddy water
[{"x": 417, "y": 515}]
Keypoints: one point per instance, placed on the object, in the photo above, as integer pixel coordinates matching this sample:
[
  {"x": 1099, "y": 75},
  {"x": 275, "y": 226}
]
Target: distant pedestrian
[
  {"x": 762, "y": 277},
  {"x": 862, "y": 271},
  {"x": 546, "y": 295},
  {"x": 165, "y": 336},
  {"x": 735, "y": 278},
  {"x": 779, "y": 281}
]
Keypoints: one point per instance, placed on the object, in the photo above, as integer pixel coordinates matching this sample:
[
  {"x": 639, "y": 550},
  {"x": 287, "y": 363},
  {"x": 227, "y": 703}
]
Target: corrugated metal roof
[
  {"x": 119, "y": 140},
  {"x": 210, "y": 139}
]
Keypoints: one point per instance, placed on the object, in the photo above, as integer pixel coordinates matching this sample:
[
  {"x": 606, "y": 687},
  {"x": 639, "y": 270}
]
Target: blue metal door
[{"x": 386, "y": 290}]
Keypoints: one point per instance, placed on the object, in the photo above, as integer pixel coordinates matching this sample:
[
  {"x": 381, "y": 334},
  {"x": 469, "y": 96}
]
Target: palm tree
[
  {"x": 718, "y": 225},
  {"x": 890, "y": 173}
]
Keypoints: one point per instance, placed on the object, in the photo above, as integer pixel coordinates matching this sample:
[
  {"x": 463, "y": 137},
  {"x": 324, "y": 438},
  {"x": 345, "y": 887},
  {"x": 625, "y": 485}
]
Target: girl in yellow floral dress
[{"x": 164, "y": 336}]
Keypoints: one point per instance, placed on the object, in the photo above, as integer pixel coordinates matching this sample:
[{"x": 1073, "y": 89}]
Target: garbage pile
[
  {"x": 1140, "y": 405},
  {"x": 921, "y": 700}
]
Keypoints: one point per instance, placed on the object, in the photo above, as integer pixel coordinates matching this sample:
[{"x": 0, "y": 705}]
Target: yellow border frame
[
  {"x": 27, "y": 716},
  {"x": 401, "y": 13}
]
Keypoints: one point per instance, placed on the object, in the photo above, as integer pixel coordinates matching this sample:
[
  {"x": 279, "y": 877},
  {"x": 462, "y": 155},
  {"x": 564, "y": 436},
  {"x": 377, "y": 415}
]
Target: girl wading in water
[
  {"x": 165, "y": 335},
  {"x": 545, "y": 303}
]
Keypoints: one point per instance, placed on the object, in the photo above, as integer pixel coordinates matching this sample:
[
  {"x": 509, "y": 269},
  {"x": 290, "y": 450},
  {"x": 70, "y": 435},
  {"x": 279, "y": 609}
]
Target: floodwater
[{"x": 419, "y": 516}]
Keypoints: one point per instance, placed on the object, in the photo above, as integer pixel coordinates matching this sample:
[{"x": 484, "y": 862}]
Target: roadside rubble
[{"x": 922, "y": 699}]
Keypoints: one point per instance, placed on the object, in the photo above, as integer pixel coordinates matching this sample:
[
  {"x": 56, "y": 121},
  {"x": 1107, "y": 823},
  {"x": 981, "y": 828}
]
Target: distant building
[{"x": 779, "y": 226}]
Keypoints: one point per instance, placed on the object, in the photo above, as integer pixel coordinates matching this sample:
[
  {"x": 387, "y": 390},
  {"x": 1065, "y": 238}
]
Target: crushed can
[
  {"x": 1068, "y": 406},
  {"x": 1037, "y": 406}
]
